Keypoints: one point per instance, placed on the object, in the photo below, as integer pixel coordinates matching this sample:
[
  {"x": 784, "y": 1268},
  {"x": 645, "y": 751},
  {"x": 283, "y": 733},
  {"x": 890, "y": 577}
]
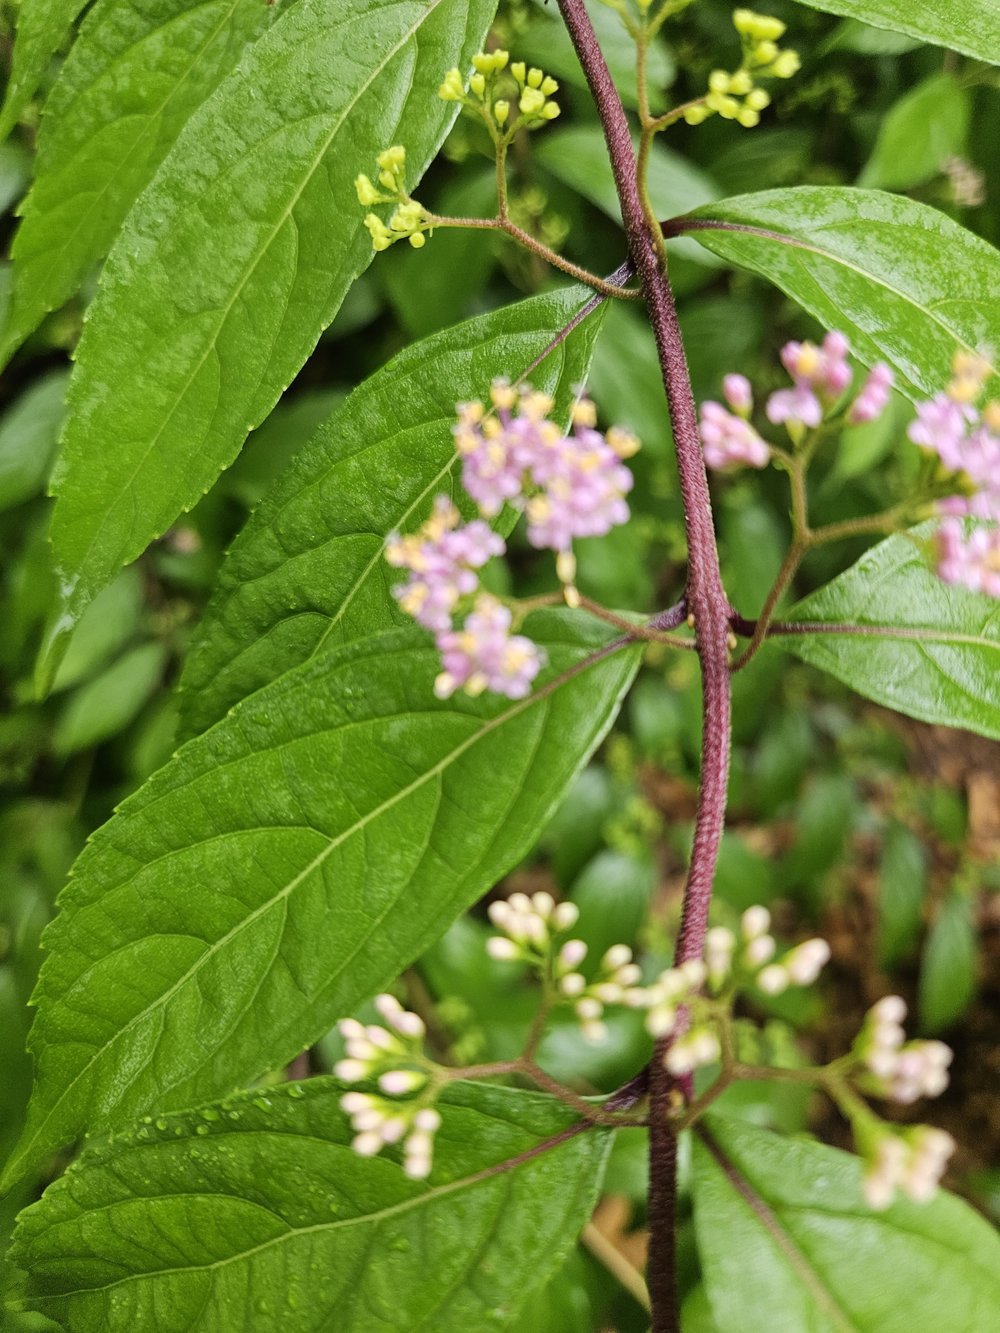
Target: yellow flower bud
[
  {"x": 550, "y": 110},
  {"x": 387, "y": 179},
  {"x": 501, "y": 110},
  {"x": 757, "y": 99},
  {"x": 767, "y": 28},
  {"x": 718, "y": 81},
  {"x": 418, "y": 240},
  {"x": 787, "y": 64},
  {"x": 549, "y": 86},
  {"x": 517, "y": 69},
  {"x": 452, "y": 89},
  {"x": 532, "y": 101},
  {"x": 477, "y": 84},
  {"x": 500, "y": 59},
  {"x": 747, "y": 117},
  {"x": 366, "y": 191},
  {"x": 743, "y": 20},
  {"x": 535, "y": 77},
  {"x": 765, "y": 52},
  {"x": 483, "y": 63},
  {"x": 694, "y": 115},
  {"x": 727, "y": 107},
  {"x": 392, "y": 159},
  {"x": 740, "y": 83}
]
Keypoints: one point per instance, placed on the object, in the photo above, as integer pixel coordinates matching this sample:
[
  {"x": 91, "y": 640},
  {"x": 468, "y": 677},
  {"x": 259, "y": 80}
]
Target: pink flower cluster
[
  {"x": 820, "y": 375},
  {"x": 568, "y": 485},
  {"x": 967, "y": 441},
  {"x": 441, "y": 560}
]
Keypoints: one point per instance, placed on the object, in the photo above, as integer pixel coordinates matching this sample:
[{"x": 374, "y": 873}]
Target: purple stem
[{"x": 706, "y": 601}]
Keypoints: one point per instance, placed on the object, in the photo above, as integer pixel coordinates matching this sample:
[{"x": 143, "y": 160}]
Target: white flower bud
[
  {"x": 759, "y": 950},
  {"x": 572, "y": 984},
  {"x": 572, "y": 954},
  {"x": 594, "y": 1031},
  {"x": 409, "y": 1025},
  {"x": 427, "y": 1120},
  {"x": 628, "y": 975},
  {"x": 519, "y": 902},
  {"x": 890, "y": 1009},
  {"x": 617, "y": 956},
  {"x": 565, "y": 916},
  {"x": 660, "y": 1020},
  {"x": 353, "y": 1103},
  {"x": 386, "y": 1006},
  {"x": 350, "y": 1029},
  {"x": 544, "y": 904},
  {"x": 393, "y": 1129},
  {"x": 399, "y": 1082},
  {"x": 350, "y": 1071},
  {"x": 589, "y": 1008},
  {"x": 806, "y": 961},
  {"x": 694, "y": 973},
  {"x": 499, "y": 913},
  {"x": 755, "y": 921},
  {"x": 502, "y": 949},
  {"x": 773, "y": 980},
  {"x": 367, "y": 1144}
]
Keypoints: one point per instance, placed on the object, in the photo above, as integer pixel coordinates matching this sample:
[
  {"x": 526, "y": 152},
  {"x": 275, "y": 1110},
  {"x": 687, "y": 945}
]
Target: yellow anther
[
  {"x": 623, "y": 442},
  {"x": 585, "y": 413},
  {"x": 503, "y": 395}
]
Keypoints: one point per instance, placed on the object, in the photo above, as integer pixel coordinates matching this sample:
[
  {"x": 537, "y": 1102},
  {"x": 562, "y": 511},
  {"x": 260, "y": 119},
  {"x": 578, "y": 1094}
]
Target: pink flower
[
  {"x": 484, "y": 655},
  {"x": 738, "y": 394},
  {"x": 972, "y": 560},
  {"x": 871, "y": 400},
  {"x": 441, "y": 558},
  {"x": 729, "y": 441},
  {"x": 941, "y": 425},
  {"x": 799, "y": 404}
]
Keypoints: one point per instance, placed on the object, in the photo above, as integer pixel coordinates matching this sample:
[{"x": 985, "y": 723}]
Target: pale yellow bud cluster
[
  {"x": 736, "y": 96},
  {"x": 531, "y": 97},
  {"x": 409, "y": 220}
]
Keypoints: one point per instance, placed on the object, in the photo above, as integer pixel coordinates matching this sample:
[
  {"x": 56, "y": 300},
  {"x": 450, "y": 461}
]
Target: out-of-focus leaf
[
  {"x": 902, "y": 883},
  {"x": 256, "y": 1213},
  {"x": 948, "y": 965},
  {"x": 105, "y": 627},
  {"x": 109, "y": 702},
  {"x": 28, "y": 434},
  {"x": 926, "y": 126},
  {"x": 786, "y": 1242},
  {"x": 42, "y": 29},
  {"x": 612, "y": 892}
]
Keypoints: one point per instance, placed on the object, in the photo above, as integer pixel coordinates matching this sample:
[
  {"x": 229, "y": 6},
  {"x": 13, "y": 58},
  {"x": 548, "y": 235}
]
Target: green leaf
[
  {"x": 290, "y": 862},
  {"x": 902, "y": 280},
  {"x": 786, "y": 1242},
  {"x": 235, "y": 258},
  {"x": 135, "y": 74},
  {"x": 42, "y": 29},
  {"x": 929, "y": 649},
  {"x": 970, "y": 26},
  {"x": 28, "y": 433},
  {"x": 948, "y": 965},
  {"x": 926, "y": 126},
  {"x": 306, "y": 572},
  {"x": 256, "y": 1213}
]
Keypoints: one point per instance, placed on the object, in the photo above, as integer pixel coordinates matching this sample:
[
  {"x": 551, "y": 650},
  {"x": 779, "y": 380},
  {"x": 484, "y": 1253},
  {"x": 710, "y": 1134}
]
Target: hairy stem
[{"x": 709, "y": 606}]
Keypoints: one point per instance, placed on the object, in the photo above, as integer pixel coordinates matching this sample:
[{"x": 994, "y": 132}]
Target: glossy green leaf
[
  {"x": 289, "y": 863},
  {"x": 786, "y": 1242},
  {"x": 929, "y": 649},
  {"x": 970, "y": 26},
  {"x": 306, "y": 572},
  {"x": 234, "y": 260},
  {"x": 948, "y": 965},
  {"x": 905, "y": 282},
  {"x": 134, "y": 76},
  {"x": 924, "y": 128},
  {"x": 42, "y": 29},
  {"x": 255, "y": 1213},
  {"x": 28, "y": 433}
]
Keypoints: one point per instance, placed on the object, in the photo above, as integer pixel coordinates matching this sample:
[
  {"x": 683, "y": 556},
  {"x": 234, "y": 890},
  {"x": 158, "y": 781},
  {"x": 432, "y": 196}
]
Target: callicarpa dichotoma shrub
[{"x": 378, "y": 721}]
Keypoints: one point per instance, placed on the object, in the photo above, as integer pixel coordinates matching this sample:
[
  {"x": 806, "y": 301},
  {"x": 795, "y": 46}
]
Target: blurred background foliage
[{"x": 880, "y": 833}]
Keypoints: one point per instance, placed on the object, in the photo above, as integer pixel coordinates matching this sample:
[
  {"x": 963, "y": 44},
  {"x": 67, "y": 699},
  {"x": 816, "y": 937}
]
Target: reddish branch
[{"x": 706, "y": 601}]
